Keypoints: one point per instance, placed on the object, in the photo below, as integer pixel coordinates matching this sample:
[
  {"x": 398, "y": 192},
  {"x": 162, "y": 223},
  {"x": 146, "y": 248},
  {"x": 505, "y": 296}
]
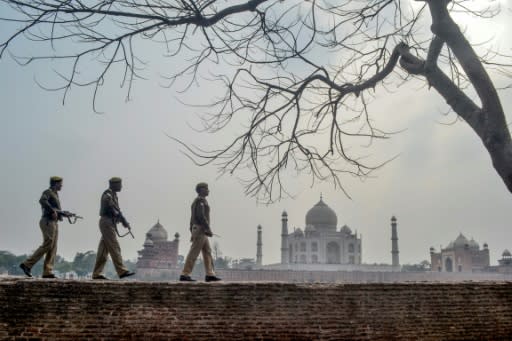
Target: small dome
[
  {"x": 461, "y": 241},
  {"x": 176, "y": 235},
  {"x": 321, "y": 215},
  {"x": 157, "y": 233},
  {"x": 284, "y": 214},
  {"x": 346, "y": 229},
  {"x": 310, "y": 228},
  {"x": 506, "y": 253},
  {"x": 298, "y": 233},
  {"x": 473, "y": 244}
]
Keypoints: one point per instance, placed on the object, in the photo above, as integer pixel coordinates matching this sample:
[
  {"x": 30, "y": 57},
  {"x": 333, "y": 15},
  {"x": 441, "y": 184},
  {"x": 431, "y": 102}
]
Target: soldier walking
[
  {"x": 110, "y": 215},
  {"x": 200, "y": 229},
  {"x": 50, "y": 205}
]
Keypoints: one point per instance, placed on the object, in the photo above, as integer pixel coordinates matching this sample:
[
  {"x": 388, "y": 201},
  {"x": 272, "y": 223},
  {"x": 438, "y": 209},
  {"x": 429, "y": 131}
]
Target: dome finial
[{"x": 321, "y": 196}]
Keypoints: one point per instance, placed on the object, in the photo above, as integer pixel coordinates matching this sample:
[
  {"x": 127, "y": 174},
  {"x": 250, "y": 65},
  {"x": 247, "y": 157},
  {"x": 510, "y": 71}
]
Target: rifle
[
  {"x": 121, "y": 219},
  {"x": 69, "y": 215}
]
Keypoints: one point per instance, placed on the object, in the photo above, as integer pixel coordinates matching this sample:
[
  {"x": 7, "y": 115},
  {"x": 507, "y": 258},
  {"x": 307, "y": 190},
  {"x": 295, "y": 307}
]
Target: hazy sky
[{"x": 441, "y": 185}]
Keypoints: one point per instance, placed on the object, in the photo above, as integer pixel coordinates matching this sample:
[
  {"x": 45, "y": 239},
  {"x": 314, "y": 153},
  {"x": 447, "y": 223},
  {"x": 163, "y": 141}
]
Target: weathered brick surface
[{"x": 75, "y": 310}]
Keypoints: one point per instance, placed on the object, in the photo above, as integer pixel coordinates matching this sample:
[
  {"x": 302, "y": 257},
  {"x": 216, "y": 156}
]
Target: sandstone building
[
  {"x": 159, "y": 257},
  {"x": 461, "y": 255}
]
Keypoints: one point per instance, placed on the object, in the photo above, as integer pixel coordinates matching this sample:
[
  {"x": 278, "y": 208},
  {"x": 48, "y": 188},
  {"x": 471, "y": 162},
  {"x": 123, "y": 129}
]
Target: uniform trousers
[
  {"x": 199, "y": 244},
  {"x": 50, "y": 230},
  {"x": 108, "y": 246}
]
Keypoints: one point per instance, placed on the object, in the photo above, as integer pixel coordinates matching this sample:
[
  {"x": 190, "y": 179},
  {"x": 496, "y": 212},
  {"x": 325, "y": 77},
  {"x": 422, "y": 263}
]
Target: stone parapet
[{"x": 33, "y": 309}]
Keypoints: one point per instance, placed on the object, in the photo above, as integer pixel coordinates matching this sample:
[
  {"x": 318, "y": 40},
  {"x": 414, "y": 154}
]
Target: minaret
[
  {"x": 284, "y": 238},
  {"x": 394, "y": 244},
  {"x": 259, "y": 255}
]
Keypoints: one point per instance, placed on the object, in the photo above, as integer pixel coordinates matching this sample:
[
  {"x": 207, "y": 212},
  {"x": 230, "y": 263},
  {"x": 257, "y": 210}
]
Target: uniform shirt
[
  {"x": 109, "y": 206},
  {"x": 49, "y": 202},
  {"x": 200, "y": 213}
]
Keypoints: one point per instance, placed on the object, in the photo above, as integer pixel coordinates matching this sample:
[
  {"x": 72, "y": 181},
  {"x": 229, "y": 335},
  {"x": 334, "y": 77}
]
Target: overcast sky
[{"x": 442, "y": 184}]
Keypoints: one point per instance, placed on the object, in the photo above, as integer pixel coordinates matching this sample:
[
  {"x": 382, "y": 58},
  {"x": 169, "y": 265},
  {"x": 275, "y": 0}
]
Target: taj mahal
[{"x": 322, "y": 245}]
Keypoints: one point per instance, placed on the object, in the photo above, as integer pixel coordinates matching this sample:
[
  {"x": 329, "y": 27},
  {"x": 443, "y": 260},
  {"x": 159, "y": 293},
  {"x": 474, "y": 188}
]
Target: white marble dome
[{"x": 321, "y": 215}]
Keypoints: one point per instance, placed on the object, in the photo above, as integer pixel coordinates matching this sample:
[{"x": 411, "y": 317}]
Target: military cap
[
  {"x": 55, "y": 180},
  {"x": 115, "y": 179},
  {"x": 201, "y": 185}
]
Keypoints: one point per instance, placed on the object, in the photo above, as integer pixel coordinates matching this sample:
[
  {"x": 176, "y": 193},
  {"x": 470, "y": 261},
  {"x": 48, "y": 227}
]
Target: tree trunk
[{"x": 488, "y": 121}]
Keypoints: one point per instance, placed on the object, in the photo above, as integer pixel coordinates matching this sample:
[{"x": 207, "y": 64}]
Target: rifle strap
[
  {"x": 72, "y": 221},
  {"x": 122, "y": 235}
]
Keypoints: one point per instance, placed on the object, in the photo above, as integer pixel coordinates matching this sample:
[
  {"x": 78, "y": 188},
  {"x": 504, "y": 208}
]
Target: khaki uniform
[
  {"x": 49, "y": 203},
  {"x": 199, "y": 226},
  {"x": 109, "y": 244}
]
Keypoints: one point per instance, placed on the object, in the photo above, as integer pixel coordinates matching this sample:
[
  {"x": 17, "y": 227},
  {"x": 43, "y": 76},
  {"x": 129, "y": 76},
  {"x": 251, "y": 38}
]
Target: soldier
[
  {"x": 50, "y": 205},
  {"x": 200, "y": 229},
  {"x": 110, "y": 214}
]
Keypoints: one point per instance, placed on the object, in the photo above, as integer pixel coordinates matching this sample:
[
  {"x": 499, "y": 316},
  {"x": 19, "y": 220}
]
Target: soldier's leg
[
  {"x": 207, "y": 258},
  {"x": 101, "y": 259},
  {"x": 197, "y": 244},
  {"x": 112, "y": 245},
  {"x": 49, "y": 260},
  {"x": 48, "y": 233}
]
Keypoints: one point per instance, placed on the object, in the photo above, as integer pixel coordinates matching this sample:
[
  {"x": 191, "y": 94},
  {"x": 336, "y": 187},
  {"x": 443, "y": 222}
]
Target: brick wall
[{"x": 132, "y": 310}]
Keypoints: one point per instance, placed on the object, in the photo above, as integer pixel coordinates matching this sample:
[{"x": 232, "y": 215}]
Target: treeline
[{"x": 82, "y": 264}]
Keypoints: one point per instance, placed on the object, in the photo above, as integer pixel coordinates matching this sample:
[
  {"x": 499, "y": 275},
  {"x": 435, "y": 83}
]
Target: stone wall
[
  {"x": 357, "y": 276},
  {"x": 34, "y": 309}
]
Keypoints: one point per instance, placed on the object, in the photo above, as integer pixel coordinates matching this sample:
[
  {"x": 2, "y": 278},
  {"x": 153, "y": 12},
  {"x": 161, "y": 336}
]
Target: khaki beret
[{"x": 114, "y": 180}]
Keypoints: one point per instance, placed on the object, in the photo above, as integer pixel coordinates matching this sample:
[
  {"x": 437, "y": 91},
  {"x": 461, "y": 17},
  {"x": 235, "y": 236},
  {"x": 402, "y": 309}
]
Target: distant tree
[
  {"x": 244, "y": 263},
  {"x": 7, "y": 259},
  {"x": 301, "y": 77},
  {"x": 10, "y": 262},
  {"x": 223, "y": 262},
  {"x": 420, "y": 267},
  {"x": 62, "y": 266},
  {"x": 83, "y": 263}
]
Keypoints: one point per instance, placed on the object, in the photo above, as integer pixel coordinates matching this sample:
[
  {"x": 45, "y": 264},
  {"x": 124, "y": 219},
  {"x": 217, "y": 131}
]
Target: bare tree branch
[{"x": 298, "y": 76}]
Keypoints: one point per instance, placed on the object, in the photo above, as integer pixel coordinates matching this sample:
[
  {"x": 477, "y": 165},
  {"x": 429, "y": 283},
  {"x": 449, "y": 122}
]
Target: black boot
[
  {"x": 184, "y": 278},
  {"x": 26, "y": 270},
  {"x": 212, "y": 279},
  {"x": 126, "y": 274}
]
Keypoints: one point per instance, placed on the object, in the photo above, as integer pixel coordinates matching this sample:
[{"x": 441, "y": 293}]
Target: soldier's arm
[{"x": 45, "y": 202}]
